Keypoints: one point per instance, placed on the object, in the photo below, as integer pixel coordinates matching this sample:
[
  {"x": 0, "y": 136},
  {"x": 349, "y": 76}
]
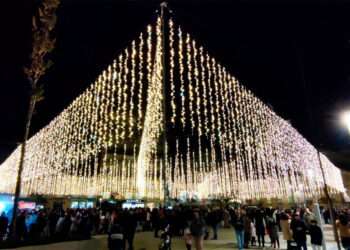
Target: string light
[
  {"x": 140, "y": 96},
  {"x": 189, "y": 79},
  {"x": 182, "y": 82},
  {"x": 227, "y": 142},
  {"x": 171, "y": 73}
]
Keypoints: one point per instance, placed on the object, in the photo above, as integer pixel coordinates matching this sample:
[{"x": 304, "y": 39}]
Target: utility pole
[
  {"x": 164, "y": 15},
  {"x": 314, "y": 125},
  {"x": 329, "y": 201}
]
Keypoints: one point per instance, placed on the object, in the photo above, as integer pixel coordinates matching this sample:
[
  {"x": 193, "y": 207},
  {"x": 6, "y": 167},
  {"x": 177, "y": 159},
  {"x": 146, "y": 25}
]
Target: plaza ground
[{"x": 146, "y": 241}]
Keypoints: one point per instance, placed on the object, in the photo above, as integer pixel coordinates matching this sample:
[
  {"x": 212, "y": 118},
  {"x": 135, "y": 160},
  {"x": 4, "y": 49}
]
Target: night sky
[{"x": 288, "y": 54}]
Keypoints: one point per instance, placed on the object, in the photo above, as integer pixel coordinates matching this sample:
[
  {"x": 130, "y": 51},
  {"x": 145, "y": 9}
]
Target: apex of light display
[{"x": 222, "y": 141}]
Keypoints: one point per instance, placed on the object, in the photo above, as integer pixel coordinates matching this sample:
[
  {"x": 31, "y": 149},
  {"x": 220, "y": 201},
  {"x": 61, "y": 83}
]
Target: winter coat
[
  {"x": 3, "y": 224},
  {"x": 260, "y": 223},
  {"x": 285, "y": 226},
  {"x": 238, "y": 222},
  {"x": 299, "y": 230},
  {"x": 316, "y": 235},
  {"x": 115, "y": 237}
]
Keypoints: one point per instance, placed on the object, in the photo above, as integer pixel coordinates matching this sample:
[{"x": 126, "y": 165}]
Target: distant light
[{"x": 345, "y": 118}]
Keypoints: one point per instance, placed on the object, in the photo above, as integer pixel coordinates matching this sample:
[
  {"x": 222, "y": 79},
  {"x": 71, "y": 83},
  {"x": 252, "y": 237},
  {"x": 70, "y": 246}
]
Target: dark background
[{"x": 290, "y": 54}]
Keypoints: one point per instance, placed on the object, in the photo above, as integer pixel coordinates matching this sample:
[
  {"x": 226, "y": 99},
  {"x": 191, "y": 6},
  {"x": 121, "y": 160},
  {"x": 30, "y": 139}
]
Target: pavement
[{"x": 146, "y": 241}]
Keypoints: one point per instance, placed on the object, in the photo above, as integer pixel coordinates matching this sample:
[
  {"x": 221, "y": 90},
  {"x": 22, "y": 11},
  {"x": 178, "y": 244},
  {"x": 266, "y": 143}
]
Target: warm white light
[
  {"x": 228, "y": 142},
  {"x": 345, "y": 118}
]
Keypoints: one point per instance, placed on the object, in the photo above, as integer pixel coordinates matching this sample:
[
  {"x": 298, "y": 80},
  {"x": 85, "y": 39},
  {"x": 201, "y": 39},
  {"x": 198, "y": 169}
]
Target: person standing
[
  {"x": 198, "y": 230},
  {"x": 188, "y": 238},
  {"x": 155, "y": 218},
  {"x": 21, "y": 228},
  {"x": 316, "y": 235},
  {"x": 73, "y": 230},
  {"x": 285, "y": 227},
  {"x": 326, "y": 216},
  {"x": 308, "y": 217},
  {"x": 115, "y": 235},
  {"x": 299, "y": 231},
  {"x": 260, "y": 226},
  {"x": 59, "y": 226},
  {"x": 148, "y": 224},
  {"x": 272, "y": 229},
  {"x": 344, "y": 230},
  {"x": 53, "y": 219},
  {"x": 276, "y": 216},
  {"x": 238, "y": 225},
  {"x": 227, "y": 218},
  {"x": 85, "y": 226},
  {"x": 247, "y": 230},
  {"x": 42, "y": 222},
  {"x": 66, "y": 226},
  {"x": 3, "y": 225},
  {"x": 204, "y": 213},
  {"x": 129, "y": 226},
  {"x": 253, "y": 234},
  {"x": 214, "y": 219}
]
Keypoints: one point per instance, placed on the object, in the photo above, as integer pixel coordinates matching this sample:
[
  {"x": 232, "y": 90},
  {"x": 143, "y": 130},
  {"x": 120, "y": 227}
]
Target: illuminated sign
[{"x": 26, "y": 205}]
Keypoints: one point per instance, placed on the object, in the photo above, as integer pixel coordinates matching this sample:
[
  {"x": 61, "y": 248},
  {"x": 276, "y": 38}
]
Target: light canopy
[{"x": 222, "y": 141}]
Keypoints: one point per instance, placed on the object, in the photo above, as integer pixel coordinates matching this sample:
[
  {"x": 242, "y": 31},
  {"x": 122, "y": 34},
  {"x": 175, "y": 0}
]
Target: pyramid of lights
[{"x": 164, "y": 119}]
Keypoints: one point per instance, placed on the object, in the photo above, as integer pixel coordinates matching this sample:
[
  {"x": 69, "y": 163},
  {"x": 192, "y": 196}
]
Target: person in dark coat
[
  {"x": 214, "y": 219},
  {"x": 3, "y": 225},
  {"x": 299, "y": 231},
  {"x": 237, "y": 220},
  {"x": 260, "y": 226},
  {"x": 272, "y": 229},
  {"x": 53, "y": 219},
  {"x": 155, "y": 221},
  {"x": 66, "y": 224},
  {"x": 247, "y": 230},
  {"x": 326, "y": 216},
  {"x": 163, "y": 222},
  {"x": 129, "y": 227},
  {"x": 197, "y": 229},
  {"x": 343, "y": 225},
  {"x": 316, "y": 235},
  {"x": 21, "y": 228},
  {"x": 41, "y": 221},
  {"x": 115, "y": 236},
  {"x": 84, "y": 227}
]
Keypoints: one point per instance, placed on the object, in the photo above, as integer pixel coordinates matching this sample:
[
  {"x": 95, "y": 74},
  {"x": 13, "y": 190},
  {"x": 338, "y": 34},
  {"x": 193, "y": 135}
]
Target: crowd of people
[
  {"x": 194, "y": 224},
  {"x": 253, "y": 224}
]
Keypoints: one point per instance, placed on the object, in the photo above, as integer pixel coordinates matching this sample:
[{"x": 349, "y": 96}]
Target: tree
[{"x": 43, "y": 23}]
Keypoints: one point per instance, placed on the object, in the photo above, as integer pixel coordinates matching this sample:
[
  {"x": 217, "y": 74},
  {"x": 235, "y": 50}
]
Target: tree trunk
[{"x": 31, "y": 108}]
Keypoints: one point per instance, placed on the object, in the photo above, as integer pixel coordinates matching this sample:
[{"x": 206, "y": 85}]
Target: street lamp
[{"x": 345, "y": 119}]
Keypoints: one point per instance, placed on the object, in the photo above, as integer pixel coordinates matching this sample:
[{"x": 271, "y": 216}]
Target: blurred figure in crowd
[
  {"x": 3, "y": 225},
  {"x": 238, "y": 224},
  {"x": 299, "y": 231}
]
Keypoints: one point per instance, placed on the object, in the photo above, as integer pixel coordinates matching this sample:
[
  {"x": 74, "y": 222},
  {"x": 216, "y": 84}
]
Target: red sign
[{"x": 26, "y": 205}]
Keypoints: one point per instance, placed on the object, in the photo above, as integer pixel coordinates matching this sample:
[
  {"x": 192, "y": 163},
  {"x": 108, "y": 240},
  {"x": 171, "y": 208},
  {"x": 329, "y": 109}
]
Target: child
[
  {"x": 316, "y": 235},
  {"x": 253, "y": 237},
  {"x": 188, "y": 238}
]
